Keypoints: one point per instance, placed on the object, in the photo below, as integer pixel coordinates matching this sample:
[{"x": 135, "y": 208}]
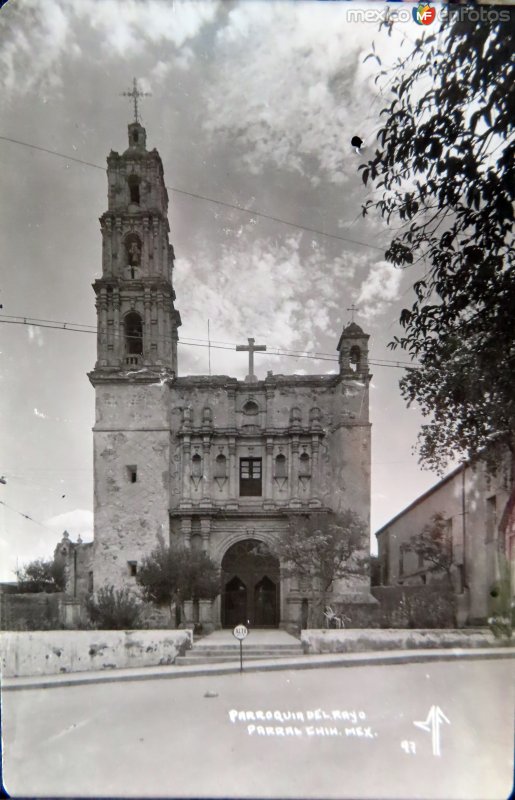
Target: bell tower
[{"x": 137, "y": 319}]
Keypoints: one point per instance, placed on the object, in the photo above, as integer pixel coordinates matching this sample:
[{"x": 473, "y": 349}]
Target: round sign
[{"x": 240, "y": 632}]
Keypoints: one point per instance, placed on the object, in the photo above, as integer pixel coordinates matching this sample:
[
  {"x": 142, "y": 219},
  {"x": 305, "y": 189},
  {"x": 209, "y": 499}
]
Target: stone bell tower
[
  {"x": 136, "y": 363},
  {"x": 137, "y": 320}
]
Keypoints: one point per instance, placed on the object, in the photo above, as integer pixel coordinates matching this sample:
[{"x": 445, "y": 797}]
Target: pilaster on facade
[
  {"x": 186, "y": 531},
  {"x": 205, "y": 530}
]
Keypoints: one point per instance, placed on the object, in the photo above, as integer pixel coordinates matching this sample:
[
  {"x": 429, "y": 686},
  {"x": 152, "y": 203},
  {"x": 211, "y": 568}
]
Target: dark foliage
[
  {"x": 172, "y": 574},
  {"x": 444, "y": 167},
  {"x": 322, "y": 548},
  {"x": 41, "y": 575},
  {"x": 114, "y": 609}
]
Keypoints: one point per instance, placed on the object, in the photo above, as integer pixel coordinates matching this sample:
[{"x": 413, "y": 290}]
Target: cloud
[
  {"x": 310, "y": 90},
  {"x": 78, "y": 523},
  {"x": 282, "y": 293},
  {"x": 380, "y": 288},
  {"x": 35, "y": 335},
  {"x": 37, "y": 37}
]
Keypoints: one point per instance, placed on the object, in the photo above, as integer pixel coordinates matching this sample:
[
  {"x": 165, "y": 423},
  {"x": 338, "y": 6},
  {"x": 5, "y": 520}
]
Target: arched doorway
[{"x": 250, "y": 586}]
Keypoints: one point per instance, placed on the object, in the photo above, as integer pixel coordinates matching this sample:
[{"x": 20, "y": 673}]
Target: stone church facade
[{"x": 221, "y": 464}]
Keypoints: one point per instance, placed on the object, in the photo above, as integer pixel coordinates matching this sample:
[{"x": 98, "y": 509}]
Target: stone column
[
  {"x": 175, "y": 339},
  {"x": 268, "y": 476},
  {"x": 107, "y": 231},
  {"x": 231, "y": 407},
  {"x": 205, "y": 530},
  {"x": 269, "y": 394},
  {"x": 119, "y": 254},
  {"x": 147, "y": 249},
  {"x": 315, "y": 469},
  {"x": 186, "y": 470},
  {"x": 102, "y": 328},
  {"x": 186, "y": 531},
  {"x": 147, "y": 335},
  {"x": 155, "y": 247},
  {"x": 233, "y": 467},
  {"x": 206, "y": 470},
  {"x": 118, "y": 344},
  {"x": 160, "y": 328},
  {"x": 294, "y": 470}
]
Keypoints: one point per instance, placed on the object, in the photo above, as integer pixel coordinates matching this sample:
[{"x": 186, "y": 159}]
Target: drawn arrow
[{"x": 432, "y": 725}]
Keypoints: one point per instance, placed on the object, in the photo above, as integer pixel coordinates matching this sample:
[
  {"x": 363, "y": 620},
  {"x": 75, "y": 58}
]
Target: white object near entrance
[{"x": 240, "y": 632}]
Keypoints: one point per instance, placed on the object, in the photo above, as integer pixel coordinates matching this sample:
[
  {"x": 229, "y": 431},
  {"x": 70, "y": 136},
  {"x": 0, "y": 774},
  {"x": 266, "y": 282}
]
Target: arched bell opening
[{"x": 133, "y": 335}]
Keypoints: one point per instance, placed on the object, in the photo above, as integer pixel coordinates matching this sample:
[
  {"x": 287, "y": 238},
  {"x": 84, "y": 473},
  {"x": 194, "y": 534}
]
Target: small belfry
[{"x": 137, "y": 319}]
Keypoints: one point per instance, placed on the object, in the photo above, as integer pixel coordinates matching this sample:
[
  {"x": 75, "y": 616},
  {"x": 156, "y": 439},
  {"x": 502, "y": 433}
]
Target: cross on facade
[
  {"x": 251, "y": 348},
  {"x": 134, "y": 95},
  {"x": 353, "y": 310}
]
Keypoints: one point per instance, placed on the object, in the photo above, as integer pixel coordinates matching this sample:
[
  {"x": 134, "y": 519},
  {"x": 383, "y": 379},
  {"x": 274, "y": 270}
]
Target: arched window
[
  {"x": 221, "y": 466},
  {"x": 251, "y": 408},
  {"x": 280, "y": 466},
  {"x": 196, "y": 466},
  {"x": 133, "y": 334},
  {"x": 304, "y": 464},
  {"x": 355, "y": 358},
  {"x": 134, "y": 183}
]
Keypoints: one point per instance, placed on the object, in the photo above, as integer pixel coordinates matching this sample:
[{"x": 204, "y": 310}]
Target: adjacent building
[{"x": 475, "y": 503}]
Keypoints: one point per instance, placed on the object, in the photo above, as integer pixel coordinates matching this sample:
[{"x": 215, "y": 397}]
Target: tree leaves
[{"x": 445, "y": 167}]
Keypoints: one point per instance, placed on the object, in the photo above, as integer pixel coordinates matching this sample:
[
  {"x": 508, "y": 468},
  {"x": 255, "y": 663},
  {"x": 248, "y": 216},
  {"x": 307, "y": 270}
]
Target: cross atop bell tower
[
  {"x": 135, "y": 94},
  {"x": 137, "y": 319},
  {"x": 137, "y": 133}
]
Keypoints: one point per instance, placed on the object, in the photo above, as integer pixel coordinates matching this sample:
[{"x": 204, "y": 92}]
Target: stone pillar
[
  {"x": 268, "y": 493},
  {"x": 147, "y": 249},
  {"x": 147, "y": 334},
  {"x": 294, "y": 471},
  {"x": 118, "y": 254},
  {"x": 315, "y": 475},
  {"x": 269, "y": 394},
  {"x": 102, "y": 328},
  {"x": 107, "y": 231},
  {"x": 160, "y": 328},
  {"x": 186, "y": 531},
  {"x": 205, "y": 530},
  {"x": 175, "y": 339},
  {"x": 233, "y": 468},
  {"x": 231, "y": 407},
  {"x": 186, "y": 470},
  {"x": 118, "y": 343},
  {"x": 155, "y": 246},
  {"x": 206, "y": 464}
]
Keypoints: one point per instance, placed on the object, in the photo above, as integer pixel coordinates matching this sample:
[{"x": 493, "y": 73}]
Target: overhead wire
[
  {"x": 192, "y": 342},
  {"x": 205, "y": 198}
]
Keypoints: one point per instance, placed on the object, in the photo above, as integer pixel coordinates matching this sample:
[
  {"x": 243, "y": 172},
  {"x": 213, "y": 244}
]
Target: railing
[{"x": 132, "y": 361}]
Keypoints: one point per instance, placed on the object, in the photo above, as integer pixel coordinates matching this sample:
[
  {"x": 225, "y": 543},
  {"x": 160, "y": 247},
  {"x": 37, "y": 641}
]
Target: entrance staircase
[{"x": 220, "y": 647}]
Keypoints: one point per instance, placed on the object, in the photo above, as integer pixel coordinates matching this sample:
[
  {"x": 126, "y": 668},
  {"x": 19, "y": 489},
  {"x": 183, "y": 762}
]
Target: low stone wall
[
  {"x": 51, "y": 652},
  {"x": 362, "y": 641}
]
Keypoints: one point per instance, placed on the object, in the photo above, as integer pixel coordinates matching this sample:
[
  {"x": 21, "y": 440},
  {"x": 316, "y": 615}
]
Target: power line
[
  {"x": 207, "y": 199},
  {"x": 26, "y": 516},
  {"x": 191, "y": 342}
]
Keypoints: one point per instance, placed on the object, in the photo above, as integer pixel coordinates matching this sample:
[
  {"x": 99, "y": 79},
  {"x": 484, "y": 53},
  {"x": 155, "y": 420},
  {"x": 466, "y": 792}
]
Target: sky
[{"x": 252, "y": 104}]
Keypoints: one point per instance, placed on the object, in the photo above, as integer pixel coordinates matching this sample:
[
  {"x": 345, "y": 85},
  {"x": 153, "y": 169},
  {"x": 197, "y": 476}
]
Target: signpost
[{"x": 240, "y": 632}]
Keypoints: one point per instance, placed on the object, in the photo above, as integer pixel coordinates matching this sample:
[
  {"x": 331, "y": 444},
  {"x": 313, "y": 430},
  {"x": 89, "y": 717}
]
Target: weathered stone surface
[
  {"x": 360, "y": 641},
  {"x": 51, "y": 652},
  {"x": 167, "y": 449}
]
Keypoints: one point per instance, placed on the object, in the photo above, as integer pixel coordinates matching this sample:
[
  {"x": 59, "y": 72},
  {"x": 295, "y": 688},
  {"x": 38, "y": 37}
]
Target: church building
[{"x": 218, "y": 463}]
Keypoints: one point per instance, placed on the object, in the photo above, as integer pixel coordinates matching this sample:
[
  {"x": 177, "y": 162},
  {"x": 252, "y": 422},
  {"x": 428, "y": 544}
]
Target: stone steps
[{"x": 207, "y": 653}]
